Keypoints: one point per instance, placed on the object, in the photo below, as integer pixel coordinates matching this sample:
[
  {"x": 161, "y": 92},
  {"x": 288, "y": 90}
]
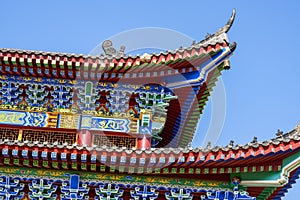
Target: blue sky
[{"x": 262, "y": 86}]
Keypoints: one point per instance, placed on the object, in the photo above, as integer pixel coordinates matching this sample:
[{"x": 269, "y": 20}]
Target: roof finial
[
  {"x": 254, "y": 140},
  {"x": 208, "y": 146},
  {"x": 279, "y": 133},
  {"x": 110, "y": 50}
]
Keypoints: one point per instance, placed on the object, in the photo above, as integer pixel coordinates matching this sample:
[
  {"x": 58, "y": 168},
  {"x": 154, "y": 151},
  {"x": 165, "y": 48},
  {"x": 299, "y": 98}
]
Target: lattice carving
[
  {"x": 111, "y": 141},
  {"x": 11, "y": 188},
  {"x": 10, "y": 92},
  {"x": 107, "y": 192},
  {"x": 62, "y": 96},
  {"x": 118, "y": 101},
  {"x": 143, "y": 193},
  {"x": 49, "y": 136},
  {"x": 8, "y": 133},
  {"x": 36, "y": 95},
  {"x": 180, "y": 195},
  {"x": 42, "y": 189}
]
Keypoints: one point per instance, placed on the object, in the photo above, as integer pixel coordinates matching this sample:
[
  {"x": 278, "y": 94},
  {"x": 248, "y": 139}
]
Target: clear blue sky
[{"x": 262, "y": 86}]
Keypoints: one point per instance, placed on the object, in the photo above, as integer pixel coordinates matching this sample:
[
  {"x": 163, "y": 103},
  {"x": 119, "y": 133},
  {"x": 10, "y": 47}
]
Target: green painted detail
[
  {"x": 127, "y": 67},
  {"x": 45, "y": 163},
  {"x": 268, "y": 191},
  {"x": 237, "y": 170},
  {"x": 35, "y": 163},
  {"x": 279, "y": 168},
  {"x": 181, "y": 170},
  {"x": 119, "y": 67},
  {"x": 110, "y": 68},
  {"x": 69, "y": 65},
  {"x": 248, "y": 176},
  {"x": 270, "y": 168},
  {"x": 6, "y": 161},
  {"x": 96, "y": 176},
  {"x": 141, "y": 170},
  {"x": 83, "y": 166},
  {"x": 198, "y": 171},
  {"x": 74, "y": 165},
  {"x": 191, "y": 171},
  {"x": 214, "y": 170},
  {"x": 290, "y": 159},
  {"x": 102, "y": 168},
  {"x": 121, "y": 169},
  {"x": 166, "y": 170},
  {"x": 149, "y": 170},
  {"x": 222, "y": 170},
  {"x": 64, "y": 165},
  {"x": 262, "y": 168},
  {"x": 131, "y": 170},
  {"x": 143, "y": 65},
  {"x": 206, "y": 170},
  {"x": 93, "y": 167},
  {"x": 150, "y": 65},
  {"x": 16, "y": 161},
  {"x": 26, "y": 162},
  {"x": 112, "y": 168},
  {"x": 157, "y": 170},
  {"x": 245, "y": 169},
  {"x": 174, "y": 170},
  {"x": 55, "y": 165},
  {"x": 78, "y": 67}
]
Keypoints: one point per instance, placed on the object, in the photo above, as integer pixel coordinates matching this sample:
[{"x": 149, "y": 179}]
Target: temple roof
[
  {"x": 283, "y": 143},
  {"x": 40, "y": 58},
  {"x": 218, "y": 37}
]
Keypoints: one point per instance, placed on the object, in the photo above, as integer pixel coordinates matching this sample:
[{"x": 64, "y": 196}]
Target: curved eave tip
[{"x": 230, "y": 21}]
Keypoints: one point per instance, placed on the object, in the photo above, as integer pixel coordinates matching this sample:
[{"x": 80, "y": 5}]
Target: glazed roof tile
[
  {"x": 219, "y": 37},
  {"x": 293, "y": 135}
]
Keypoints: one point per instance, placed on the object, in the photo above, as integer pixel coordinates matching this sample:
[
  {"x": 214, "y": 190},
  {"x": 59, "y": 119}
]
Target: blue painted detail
[
  {"x": 144, "y": 192},
  {"x": 73, "y": 157},
  {"x": 113, "y": 159},
  {"x": 292, "y": 180},
  {"x": 54, "y": 155},
  {"x": 11, "y": 188},
  {"x": 36, "y": 95},
  {"x": 10, "y": 92},
  {"x": 35, "y": 154},
  {"x": 93, "y": 158},
  {"x": 142, "y": 161},
  {"x": 74, "y": 189},
  {"x": 83, "y": 157},
  {"x": 25, "y": 153},
  {"x": 103, "y": 159},
  {"x": 42, "y": 189},
  {"x": 23, "y": 118},
  {"x": 108, "y": 192},
  {"x": 5, "y": 152},
  {"x": 179, "y": 194},
  {"x": 118, "y": 101},
  {"x": 44, "y": 155},
  {"x": 15, "y": 153},
  {"x": 63, "y": 156},
  {"x": 108, "y": 124},
  {"x": 62, "y": 96}
]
